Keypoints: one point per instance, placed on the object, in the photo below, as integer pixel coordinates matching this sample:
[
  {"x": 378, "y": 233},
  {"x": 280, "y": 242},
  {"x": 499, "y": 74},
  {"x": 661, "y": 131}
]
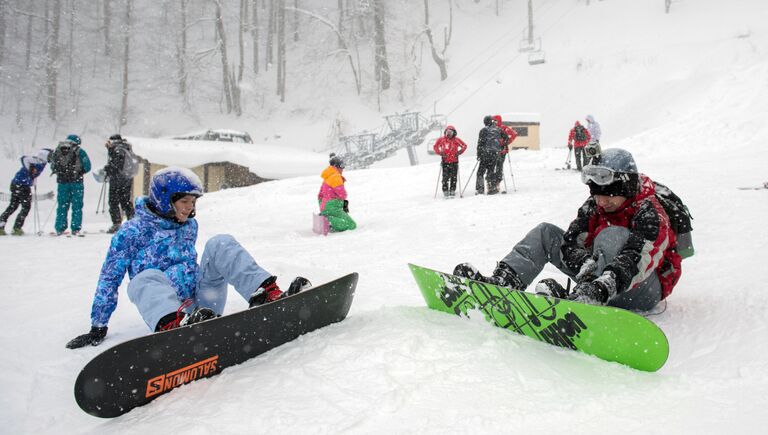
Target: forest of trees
[{"x": 63, "y": 60}]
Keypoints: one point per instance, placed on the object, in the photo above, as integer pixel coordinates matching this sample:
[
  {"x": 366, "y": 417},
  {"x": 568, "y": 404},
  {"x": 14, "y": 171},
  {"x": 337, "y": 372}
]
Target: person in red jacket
[
  {"x": 449, "y": 147},
  {"x": 620, "y": 249},
  {"x": 578, "y": 138},
  {"x": 512, "y": 134}
]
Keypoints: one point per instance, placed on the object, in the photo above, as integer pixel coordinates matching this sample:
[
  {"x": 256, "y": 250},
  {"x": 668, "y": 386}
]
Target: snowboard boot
[
  {"x": 180, "y": 318},
  {"x": 550, "y": 287},
  {"x": 17, "y": 232},
  {"x": 268, "y": 291},
  {"x": 503, "y": 275}
]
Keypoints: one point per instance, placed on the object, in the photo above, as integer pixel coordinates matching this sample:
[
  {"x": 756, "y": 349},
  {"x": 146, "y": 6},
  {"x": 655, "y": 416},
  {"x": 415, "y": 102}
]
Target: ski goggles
[{"x": 599, "y": 175}]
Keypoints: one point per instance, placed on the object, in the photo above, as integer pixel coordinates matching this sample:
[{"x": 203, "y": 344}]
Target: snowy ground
[{"x": 392, "y": 366}]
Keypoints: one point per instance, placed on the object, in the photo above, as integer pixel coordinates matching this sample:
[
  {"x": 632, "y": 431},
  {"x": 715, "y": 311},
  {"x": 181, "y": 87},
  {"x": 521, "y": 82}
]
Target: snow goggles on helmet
[{"x": 599, "y": 175}]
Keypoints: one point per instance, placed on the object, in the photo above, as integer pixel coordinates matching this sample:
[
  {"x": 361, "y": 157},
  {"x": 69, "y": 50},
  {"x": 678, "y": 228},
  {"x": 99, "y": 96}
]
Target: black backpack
[
  {"x": 581, "y": 133},
  {"x": 65, "y": 163},
  {"x": 679, "y": 217}
]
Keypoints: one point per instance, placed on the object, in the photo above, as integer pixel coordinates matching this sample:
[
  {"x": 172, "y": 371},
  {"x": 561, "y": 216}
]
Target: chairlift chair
[{"x": 536, "y": 57}]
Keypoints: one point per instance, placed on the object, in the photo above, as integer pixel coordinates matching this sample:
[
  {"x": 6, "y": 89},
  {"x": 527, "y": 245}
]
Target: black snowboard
[{"x": 138, "y": 371}]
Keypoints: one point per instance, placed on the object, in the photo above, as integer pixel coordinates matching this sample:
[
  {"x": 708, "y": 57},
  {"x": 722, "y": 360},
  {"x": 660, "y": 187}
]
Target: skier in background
[
  {"x": 449, "y": 147},
  {"x": 594, "y": 129},
  {"x": 157, "y": 250},
  {"x": 620, "y": 249},
  {"x": 21, "y": 190},
  {"x": 512, "y": 135},
  {"x": 69, "y": 162},
  {"x": 332, "y": 197},
  {"x": 489, "y": 145},
  {"x": 120, "y": 183},
  {"x": 578, "y": 138}
]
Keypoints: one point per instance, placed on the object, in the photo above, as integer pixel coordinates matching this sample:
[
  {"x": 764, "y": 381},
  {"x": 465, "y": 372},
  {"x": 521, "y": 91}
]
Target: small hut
[{"x": 527, "y": 126}]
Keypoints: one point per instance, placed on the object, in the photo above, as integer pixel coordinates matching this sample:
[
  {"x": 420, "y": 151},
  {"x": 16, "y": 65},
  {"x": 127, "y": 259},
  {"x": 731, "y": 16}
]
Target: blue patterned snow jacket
[{"x": 147, "y": 242}]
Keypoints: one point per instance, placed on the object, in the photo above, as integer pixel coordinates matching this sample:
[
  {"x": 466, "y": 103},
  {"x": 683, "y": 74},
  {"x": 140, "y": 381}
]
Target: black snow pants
[
  {"x": 450, "y": 172},
  {"x": 486, "y": 172},
  {"x": 20, "y": 196},
  {"x": 120, "y": 192}
]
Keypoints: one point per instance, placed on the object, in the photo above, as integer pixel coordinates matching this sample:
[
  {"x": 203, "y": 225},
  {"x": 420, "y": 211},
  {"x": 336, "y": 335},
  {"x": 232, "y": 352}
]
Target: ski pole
[
  {"x": 511, "y": 174},
  {"x": 470, "y": 179},
  {"x": 568, "y": 160},
  {"x": 503, "y": 177},
  {"x": 439, "y": 173}
]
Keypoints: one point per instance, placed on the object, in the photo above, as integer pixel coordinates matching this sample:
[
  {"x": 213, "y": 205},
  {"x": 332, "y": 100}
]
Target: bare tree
[
  {"x": 295, "y": 21},
  {"x": 221, "y": 43},
  {"x": 3, "y": 10},
  {"x": 241, "y": 38},
  {"x": 281, "y": 50},
  {"x": 270, "y": 34},
  {"x": 107, "y": 26},
  {"x": 381, "y": 63},
  {"x": 439, "y": 58},
  {"x": 341, "y": 23},
  {"x": 126, "y": 58},
  {"x": 181, "y": 50},
  {"x": 255, "y": 36},
  {"x": 342, "y": 41},
  {"x": 28, "y": 54},
  {"x": 52, "y": 64}
]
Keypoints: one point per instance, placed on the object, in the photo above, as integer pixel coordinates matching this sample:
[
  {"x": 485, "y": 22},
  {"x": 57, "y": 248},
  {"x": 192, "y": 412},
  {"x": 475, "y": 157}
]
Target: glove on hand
[
  {"x": 570, "y": 147},
  {"x": 597, "y": 291},
  {"x": 346, "y": 206},
  {"x": 587, "y": 271},
  {"x": 94, "y": 338}
]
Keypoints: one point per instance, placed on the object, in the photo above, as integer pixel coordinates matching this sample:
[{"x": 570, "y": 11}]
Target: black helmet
[
  {"x": 115, "y": 138},
  {"x": 488, "y": 120},
  {"x": 613, "y": 172}
]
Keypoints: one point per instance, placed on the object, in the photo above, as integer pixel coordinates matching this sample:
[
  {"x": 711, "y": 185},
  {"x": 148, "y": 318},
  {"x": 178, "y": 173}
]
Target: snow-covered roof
[
  {"x": 267, "y": 161},
  {"x": 521, "y": 117}
]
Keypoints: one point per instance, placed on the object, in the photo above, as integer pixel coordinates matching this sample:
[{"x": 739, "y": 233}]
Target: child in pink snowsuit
[{"x": 333, "y": 197}]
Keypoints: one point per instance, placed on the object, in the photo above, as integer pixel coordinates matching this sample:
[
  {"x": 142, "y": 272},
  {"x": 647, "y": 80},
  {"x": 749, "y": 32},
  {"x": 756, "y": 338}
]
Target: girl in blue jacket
[
  {"x": 21, "y": 190},
  {"x": 157, "y": 250}
]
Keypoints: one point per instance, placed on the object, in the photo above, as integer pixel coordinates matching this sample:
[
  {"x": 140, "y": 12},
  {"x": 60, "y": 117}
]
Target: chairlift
[
  {"x": 536, "y": 57},
  {"x": 527, "y": 44}
]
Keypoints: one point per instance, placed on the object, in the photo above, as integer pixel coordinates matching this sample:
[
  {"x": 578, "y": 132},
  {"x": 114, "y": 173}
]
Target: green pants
[
  {"x": 337, "y": 217},
  {"x": 69, "y": 194}
]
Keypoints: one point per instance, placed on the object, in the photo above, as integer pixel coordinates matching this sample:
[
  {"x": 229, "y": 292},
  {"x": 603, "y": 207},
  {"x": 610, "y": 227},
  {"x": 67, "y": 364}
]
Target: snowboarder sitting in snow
[
  {"x": 449, "y": 147},
  {"x": 157, "y": 249},
  {"x": 21, "y": 190},
  {"x": 333, "y": 197},
  {"x": 620, "y": 249}
]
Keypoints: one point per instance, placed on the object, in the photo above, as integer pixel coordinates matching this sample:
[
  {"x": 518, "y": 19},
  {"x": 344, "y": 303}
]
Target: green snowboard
[{"x": 608, "y": 333}]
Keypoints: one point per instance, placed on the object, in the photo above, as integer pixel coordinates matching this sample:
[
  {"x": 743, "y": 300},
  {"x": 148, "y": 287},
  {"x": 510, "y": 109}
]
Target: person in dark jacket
[
  {"x": 120, "y": 183},
  {"x": 69, "y": 162},
  {"x": 620, "y": 250},
  {"x": 489, "y": 146},
  {"x": 21, "y": 190},
  {"x": 449, "y": 147}
]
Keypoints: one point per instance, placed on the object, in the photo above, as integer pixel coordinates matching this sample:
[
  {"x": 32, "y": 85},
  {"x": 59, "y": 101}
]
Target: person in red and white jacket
[
  {"x": 578, "y": 138},
  {"x": 620, "y": 249},
  {"x": 449, "y": 147}
]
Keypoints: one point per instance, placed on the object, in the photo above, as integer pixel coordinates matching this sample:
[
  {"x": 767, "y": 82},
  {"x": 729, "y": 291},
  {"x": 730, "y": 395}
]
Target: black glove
[
  {"x": 570, "y": 147},
  {"x": 346, "y": 206},
  {"x": 94, "y": 338}
]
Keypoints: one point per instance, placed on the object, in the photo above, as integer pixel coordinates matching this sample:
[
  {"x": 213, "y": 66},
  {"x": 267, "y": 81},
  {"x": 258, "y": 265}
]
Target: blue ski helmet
[
  {"x": 75, "y": 139},
  {"x": 170, "y": 184}
]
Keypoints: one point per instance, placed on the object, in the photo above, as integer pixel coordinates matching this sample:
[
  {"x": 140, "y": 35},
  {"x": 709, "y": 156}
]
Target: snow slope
[{"x": 395, "y": 367}]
